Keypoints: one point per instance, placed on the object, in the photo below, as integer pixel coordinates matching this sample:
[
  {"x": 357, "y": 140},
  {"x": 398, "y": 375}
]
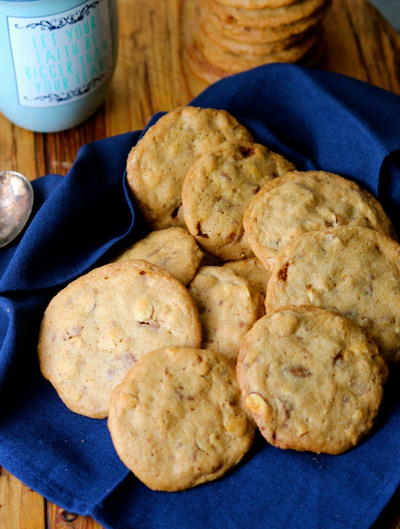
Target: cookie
[
  {"x": 226, "y": 307},
  {"x": 250, "y": 34},
  {"x": 306, "y": 201},
  {"x": 354, "y": 271},
  {"x": 96, "y": 328},
  {"x": 257, "y": 277},
  {"x": 158, "y": 164},
  {"x": 247, "y": 48},
  {"x": 177, "y": 421},
  {"x": 235, "y": 62},
  {"x": 311, "y": 379},
  {"x": 217, "y": 189},
  {"x": 268, "y": 17},
  {"x": 172, "y": 249},
  {"x": 199, "y": 66}
]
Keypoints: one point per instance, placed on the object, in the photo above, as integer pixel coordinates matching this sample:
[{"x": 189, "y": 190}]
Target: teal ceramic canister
[{"x": 57, "y": 59}]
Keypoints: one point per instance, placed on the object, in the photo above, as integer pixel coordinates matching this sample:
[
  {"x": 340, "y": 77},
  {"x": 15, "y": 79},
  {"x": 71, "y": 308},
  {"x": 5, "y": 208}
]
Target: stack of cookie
[
  {"x": 234, "y": 35},
  {"x": 291, "y": 276}
]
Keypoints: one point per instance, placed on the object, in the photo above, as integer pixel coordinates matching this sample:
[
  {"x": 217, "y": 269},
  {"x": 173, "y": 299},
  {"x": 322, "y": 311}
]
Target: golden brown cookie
[
  {"x": 158, "y": 164},
  {"x": 354, "y": 271},
  {"x": 217, "y": 189},
  {"x": 249, "y": 34},
  {"x": 199, "y": 66},
  {"x": 176, "y": 420},
  {"x": 96, "y": 328},
  {"x": 235, "y": 62},
  {"x": 172, "y": 249},
  {"x": 247, "y": 48},
  {"x": 311, "y": 379},
  {"x": 268, "y": 17},
  {"x": 307, "y": 201},
  {"x": 226, "y": 306}
]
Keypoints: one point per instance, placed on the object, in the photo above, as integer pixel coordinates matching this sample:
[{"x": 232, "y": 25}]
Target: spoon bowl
[{"x": 16, "y": 201}]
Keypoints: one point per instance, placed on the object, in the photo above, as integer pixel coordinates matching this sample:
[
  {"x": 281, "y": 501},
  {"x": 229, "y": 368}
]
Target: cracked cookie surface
[
  {"x": 159, "y": 162},
  {"x": 96, "y": 328},
  {"x": 311, "y": 379},
  {"x": 177, "y": 421}
]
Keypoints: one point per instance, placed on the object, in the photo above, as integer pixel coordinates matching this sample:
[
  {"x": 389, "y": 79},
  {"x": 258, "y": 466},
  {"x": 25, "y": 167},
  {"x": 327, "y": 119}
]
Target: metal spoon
[{"x": 16, "y": 200}]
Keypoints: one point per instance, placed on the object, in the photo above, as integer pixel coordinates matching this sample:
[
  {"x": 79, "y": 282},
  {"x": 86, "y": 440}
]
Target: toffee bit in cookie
[
  {"x": 226, "y": 176},
  {"x": 199, "y": 233},
  {"x": 298, "y": 371},
  {"x": 246, "y": 151},
  {"x": 283, "y": 272},
  {"x": 338, "y": 357}
]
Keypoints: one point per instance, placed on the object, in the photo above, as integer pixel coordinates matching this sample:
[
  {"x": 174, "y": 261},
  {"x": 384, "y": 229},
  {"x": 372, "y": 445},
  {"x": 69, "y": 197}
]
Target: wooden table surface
[{"x": 150, "y": 77}]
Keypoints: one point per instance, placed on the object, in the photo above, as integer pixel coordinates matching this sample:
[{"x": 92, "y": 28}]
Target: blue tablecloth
[{"x": 318, "y": 120}]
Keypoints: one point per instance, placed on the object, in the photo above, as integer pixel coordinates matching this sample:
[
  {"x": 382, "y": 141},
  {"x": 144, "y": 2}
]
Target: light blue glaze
[{"x": 63, "y": 114}]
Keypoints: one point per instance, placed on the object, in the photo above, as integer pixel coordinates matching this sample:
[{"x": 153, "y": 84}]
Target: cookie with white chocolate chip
[
  {"x": 176, "y": 420},
  {"x": 96, "y": 328},
  {"x": 311, "y": 379}
]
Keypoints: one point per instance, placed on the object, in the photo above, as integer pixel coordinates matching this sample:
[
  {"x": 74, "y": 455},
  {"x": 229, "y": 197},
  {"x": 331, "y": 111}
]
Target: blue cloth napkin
[{"x": 318, "y": 120}]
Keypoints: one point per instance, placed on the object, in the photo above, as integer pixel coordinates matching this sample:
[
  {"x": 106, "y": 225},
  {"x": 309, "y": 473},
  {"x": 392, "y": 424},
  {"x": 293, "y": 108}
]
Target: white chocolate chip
[
  {"x": 236, "y": 426},
  {"x": 357, "y": 416},
  {"x": 256, "y": 404},
  {"x": 142, "y": 309}
]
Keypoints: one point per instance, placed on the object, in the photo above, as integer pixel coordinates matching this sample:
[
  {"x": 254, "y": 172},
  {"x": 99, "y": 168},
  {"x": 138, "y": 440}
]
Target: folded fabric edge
[{"x": 96, "y": 256}]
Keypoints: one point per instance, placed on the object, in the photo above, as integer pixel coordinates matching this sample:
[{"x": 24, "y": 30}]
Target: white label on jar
[{"x": 62, "y": 57}]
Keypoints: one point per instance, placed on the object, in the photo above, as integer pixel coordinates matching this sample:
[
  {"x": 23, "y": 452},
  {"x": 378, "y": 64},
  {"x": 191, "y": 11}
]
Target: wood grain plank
[
  {"x": 58, "y": 518},
  {"x": 17, "y": 149},
  {"x": 20, "y": 507}
]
